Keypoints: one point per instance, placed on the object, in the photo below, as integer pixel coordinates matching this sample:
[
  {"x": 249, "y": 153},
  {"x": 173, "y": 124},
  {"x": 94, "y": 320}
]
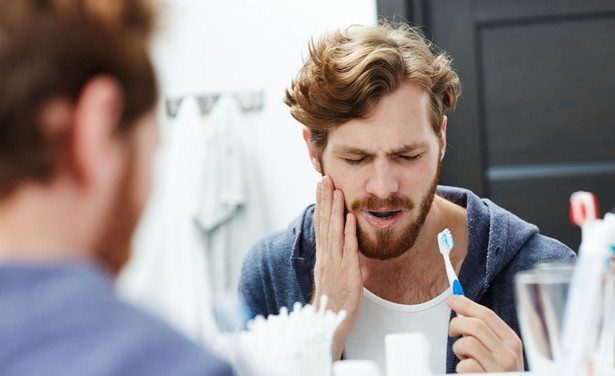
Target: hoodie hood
[{"x": 495, "y": 237}]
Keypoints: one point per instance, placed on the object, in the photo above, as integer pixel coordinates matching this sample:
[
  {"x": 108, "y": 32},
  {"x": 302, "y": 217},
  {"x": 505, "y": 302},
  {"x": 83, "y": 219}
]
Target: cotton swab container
[{"x": 299, "y": 343}]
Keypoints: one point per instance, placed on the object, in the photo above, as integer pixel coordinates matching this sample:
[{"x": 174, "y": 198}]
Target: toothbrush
[
  {"x": 606, "y": 344},
  {"x": 583, "y": 303},
  {"x": 445, "y": 243}
]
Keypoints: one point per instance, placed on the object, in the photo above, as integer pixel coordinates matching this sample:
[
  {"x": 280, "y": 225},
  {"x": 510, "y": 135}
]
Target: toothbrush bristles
[{"x": 445, "y": 244}]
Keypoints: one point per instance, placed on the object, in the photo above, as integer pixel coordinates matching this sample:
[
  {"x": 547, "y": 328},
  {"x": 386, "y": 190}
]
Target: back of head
[
  {"x": 50, "y": 49},
  {"x": 348, "y": 71}
]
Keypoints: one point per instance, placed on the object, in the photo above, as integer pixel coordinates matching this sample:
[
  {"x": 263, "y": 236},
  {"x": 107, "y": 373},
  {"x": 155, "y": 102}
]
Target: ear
[
  {"x": 97, "y": 114},
  {"x": 443, "y": 137},
  {"x": 312, "y": 151}
]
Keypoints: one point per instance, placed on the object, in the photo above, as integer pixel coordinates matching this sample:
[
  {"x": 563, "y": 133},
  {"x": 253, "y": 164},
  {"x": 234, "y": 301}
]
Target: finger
[
  {"x": 336, "y": 227},
  {"x": 469, "y": 366},
  {"x": 471, "y": 348},
  {"x": 351, "y": 245},
  {"x": 502, "y": 359},
  {"x": 482, "y": 343},
  {"x": 467, "y": 307},
  {"x": 326, "y": 200},
  {"x": 477, "y": 329}
]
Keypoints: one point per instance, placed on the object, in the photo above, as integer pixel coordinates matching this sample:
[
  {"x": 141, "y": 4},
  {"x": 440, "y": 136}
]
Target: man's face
[
  {"x": 388, "y": 167},
  {"x": 113, "y": 248}
]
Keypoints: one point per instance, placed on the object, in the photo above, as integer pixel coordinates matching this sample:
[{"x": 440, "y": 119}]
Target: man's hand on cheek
[
  {"x": 488, "y": 344},
  {"x": 337, "y": 273}
]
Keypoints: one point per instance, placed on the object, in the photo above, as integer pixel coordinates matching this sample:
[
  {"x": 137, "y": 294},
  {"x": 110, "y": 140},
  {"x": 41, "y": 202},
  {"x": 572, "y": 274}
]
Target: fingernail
[
  {"x": 325, "y": 182},
  {"x": 453, "y": 298}
]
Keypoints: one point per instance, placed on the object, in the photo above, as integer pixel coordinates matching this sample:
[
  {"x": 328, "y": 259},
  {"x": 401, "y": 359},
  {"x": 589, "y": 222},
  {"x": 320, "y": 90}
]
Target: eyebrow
[{"x": 357, "y": 151}]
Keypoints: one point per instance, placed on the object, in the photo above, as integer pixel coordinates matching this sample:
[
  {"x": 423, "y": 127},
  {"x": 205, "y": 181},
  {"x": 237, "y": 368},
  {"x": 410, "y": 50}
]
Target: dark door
[{"x": 535, "y": 122}]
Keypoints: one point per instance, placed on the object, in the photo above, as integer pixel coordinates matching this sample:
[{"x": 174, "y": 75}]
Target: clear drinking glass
[{"x": 541, "y": 295}]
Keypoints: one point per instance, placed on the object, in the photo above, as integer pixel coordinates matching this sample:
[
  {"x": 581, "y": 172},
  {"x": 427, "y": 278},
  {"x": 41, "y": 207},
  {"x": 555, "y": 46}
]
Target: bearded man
[
  {"x": 77, "y": 135},
  {"x": 373, "y": 102}
]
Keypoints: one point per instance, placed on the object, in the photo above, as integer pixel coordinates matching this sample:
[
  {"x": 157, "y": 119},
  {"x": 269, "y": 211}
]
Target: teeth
[{"x": 383, "y": 214}]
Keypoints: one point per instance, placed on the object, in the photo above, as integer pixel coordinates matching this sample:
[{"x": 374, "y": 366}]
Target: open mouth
[
  {"x": 384, "y": 214},
  {"x": 382, "y": 219}
]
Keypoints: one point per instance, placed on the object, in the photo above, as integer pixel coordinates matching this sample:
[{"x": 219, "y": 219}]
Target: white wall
[{"x": 237, "y": 46}]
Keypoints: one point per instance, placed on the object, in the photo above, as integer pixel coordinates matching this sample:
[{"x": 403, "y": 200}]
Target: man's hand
[
  {"x": 337, "y": 273},
  {"x": 488, "y": 345}
]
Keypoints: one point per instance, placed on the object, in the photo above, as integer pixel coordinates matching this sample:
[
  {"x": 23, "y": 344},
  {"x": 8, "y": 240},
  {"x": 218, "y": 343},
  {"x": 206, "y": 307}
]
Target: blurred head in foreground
[
  {"x": 77, "y": 134},
  {"x": 77, "y": 129}
]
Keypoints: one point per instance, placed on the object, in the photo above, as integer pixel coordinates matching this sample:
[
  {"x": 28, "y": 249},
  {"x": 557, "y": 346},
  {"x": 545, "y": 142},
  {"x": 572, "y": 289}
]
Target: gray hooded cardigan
[{"x": 279, "y": 270}]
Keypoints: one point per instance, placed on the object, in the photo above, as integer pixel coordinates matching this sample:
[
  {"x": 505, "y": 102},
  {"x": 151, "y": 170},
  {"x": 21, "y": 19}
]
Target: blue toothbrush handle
[{"x": 457, "y": 290}]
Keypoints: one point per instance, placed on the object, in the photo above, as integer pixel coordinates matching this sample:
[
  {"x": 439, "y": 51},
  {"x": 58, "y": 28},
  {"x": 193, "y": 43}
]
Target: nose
[{"x": 382, "y": 181}]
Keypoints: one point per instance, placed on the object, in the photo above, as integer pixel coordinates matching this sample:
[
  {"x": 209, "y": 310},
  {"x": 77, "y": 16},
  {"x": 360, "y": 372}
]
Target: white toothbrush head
[{"x": 445, "y": 242}]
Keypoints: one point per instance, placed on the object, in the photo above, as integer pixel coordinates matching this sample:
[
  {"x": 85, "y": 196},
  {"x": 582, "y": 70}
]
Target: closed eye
[
  {"x": 410, "y": 157},
  {"x": 351, "y": 161}
]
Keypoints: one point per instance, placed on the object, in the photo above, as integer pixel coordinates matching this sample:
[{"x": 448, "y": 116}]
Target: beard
[
  {"x": 386, "y": 245},
  {"x": 113, "y": 248}
]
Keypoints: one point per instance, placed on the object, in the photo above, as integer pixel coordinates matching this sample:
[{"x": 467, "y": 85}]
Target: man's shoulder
[
  {"x": 517, "y": 244},
  {"x": 276, "y": 244},
  {"x": 281, "y": 245},
  {"x": 136, "y": 342},
  {"x": 501, "y": 238},
  {"x": 270, "y": 253},
  {"x": 541, "y": 248},
  {"x": 150, "y": 346},
  {"x": 59, "y": 312},
  {"x": 510, "y": 232},
  {"x": 276, "y": 271}
]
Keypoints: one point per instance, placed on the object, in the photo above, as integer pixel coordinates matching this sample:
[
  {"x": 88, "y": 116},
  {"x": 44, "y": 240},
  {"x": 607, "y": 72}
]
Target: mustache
[{"x": 375, "y": 203}]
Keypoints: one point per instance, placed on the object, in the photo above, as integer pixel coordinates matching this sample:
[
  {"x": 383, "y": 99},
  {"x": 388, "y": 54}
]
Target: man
[
  {"x": 373, "y": 101},
  {"x": 77, "y": 133}
]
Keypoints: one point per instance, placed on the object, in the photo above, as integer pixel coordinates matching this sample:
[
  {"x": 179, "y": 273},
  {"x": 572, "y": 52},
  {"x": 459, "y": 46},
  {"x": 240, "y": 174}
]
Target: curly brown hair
[
  {"x": 348, "y": 71},
  {"x": 50, "y": 49}
]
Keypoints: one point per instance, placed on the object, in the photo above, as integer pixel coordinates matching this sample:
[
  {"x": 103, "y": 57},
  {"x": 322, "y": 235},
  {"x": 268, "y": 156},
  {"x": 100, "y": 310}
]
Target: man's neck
[
  {"x": 419, "y": 275},
  {"x": 39, "y": 224}
]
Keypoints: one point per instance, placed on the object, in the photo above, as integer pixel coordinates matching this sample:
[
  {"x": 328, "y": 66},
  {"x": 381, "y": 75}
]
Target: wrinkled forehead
[{"x": 399, "y": 120}]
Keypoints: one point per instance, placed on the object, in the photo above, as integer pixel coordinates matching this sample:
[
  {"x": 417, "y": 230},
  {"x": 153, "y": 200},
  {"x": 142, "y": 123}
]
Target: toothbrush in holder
[{"x": 445, "y": 243}]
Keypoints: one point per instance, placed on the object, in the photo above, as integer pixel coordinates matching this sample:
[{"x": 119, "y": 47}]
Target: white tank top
[{"x": 379, "y": 317}]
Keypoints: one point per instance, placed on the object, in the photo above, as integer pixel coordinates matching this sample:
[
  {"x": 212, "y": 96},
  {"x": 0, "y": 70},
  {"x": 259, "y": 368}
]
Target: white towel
[
  {"x": 168, "y": 271},
  {"x": 207, "y": 214}
]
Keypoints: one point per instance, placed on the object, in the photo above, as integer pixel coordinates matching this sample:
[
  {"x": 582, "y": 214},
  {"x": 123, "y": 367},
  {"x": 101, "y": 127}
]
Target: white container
[
  {"x": 407, "y": 354},
  {"x": 356, "y": 368}
]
